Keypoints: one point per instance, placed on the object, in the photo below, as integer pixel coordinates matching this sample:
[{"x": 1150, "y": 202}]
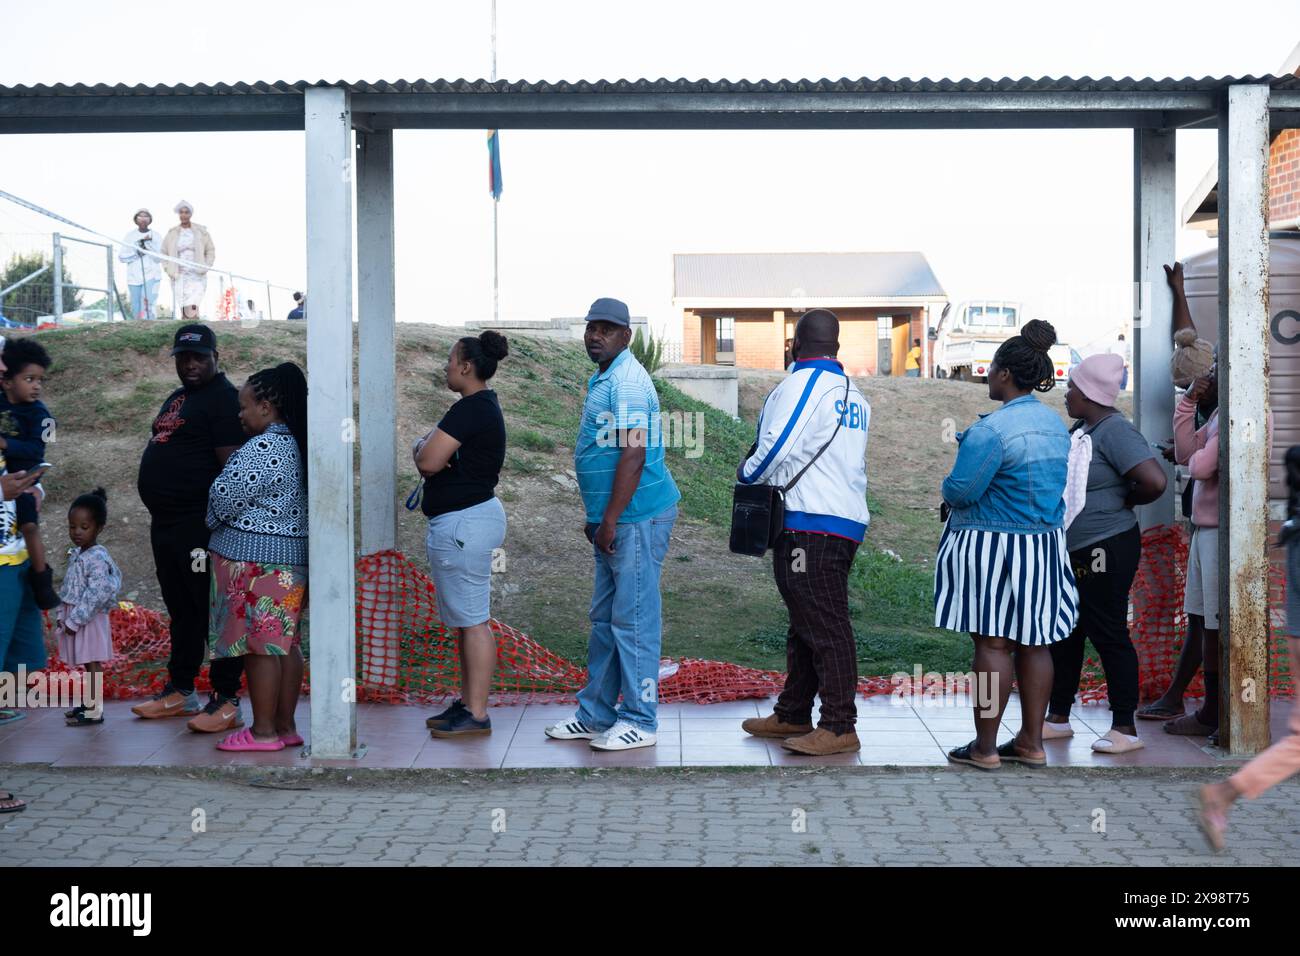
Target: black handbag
[{"x": 758, "y": 510}]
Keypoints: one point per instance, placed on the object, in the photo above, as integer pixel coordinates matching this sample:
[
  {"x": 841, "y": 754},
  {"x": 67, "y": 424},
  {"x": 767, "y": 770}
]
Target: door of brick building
[{"x": 884, "y": 345}]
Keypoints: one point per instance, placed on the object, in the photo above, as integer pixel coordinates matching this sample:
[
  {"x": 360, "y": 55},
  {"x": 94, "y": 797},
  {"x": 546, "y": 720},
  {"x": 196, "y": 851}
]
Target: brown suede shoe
[
  {"x": 216, "y": 717},
  {"x": 169, "y": 704},
  {"x": 772, "y": 726},
  {"x": 821, "y": 743}
]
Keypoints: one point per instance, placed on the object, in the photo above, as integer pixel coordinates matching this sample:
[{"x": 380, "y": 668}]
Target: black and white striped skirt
[{"x": 999, "y": 584}]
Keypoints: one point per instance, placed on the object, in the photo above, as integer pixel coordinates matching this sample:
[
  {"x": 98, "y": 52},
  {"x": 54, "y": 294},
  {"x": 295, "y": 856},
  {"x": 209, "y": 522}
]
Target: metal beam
[
  {"x": 1155, "y": 226},
  {"x": 332, "y": 430},
  {"x": 615, "y": 119},
  {"x": 616, "y": 101},
  {"x": 142, "y": 114},
  {"x": 1243, "y": 416},
  {"x": 161, "y": 124},
  {"x": 620, "y": 109},
  {"x": 376, "y": 315}
]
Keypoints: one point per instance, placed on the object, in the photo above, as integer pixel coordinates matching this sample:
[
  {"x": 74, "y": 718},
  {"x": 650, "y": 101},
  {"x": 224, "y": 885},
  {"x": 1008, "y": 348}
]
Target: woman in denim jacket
[{"x": 1002, "y": 573}]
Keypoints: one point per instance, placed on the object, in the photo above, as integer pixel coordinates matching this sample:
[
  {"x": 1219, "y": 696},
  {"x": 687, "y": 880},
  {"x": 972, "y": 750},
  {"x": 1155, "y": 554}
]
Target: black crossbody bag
[{"x": 758, "y": 510}]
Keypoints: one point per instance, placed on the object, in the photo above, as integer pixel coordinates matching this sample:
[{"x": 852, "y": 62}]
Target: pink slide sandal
[
  {"x": 292, "y": 740},
  {"x": 242, "y": 741}
]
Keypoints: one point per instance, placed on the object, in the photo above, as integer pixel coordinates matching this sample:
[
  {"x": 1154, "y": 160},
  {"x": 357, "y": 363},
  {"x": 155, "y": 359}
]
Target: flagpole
[{"x": 496, "y": 269}]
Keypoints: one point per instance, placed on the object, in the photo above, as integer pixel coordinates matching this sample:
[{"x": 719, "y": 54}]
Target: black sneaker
[
  {"x": 442, "y": 720},
  {"x": 70, "y": 714},
  {"x": 47, "y": 599},
  {"x": 463, "y": 725}
]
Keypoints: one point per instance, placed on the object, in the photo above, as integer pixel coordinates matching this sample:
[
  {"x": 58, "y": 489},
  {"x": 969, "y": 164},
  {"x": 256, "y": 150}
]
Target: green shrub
[{"x": 649, "y": 351}]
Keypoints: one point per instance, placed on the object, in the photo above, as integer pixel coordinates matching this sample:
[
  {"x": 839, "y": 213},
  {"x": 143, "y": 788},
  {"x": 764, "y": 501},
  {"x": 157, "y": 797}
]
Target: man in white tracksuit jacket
[{"x": 825, "y": 520}]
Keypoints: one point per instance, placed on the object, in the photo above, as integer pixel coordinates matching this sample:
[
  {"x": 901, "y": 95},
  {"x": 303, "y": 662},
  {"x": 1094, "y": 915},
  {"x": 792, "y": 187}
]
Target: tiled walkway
[{"x": 893, "y": 733}]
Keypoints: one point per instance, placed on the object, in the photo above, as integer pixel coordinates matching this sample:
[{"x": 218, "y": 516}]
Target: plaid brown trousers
[{"x": 812, "y": 574}]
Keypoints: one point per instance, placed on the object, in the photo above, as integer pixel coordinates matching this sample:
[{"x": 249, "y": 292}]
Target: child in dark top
[{"x": 25, "y": 424}]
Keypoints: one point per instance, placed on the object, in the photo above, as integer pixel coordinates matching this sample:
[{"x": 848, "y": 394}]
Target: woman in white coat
[{"x": 191, "y": 242}]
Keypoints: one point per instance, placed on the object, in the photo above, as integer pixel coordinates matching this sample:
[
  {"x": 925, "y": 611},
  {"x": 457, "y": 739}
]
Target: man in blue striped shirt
[{"x": 631, "y": 503}]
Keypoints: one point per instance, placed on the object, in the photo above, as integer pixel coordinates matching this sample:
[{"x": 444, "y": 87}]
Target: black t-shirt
[
  {"x": 180, "y": 461},
  {"x": 476, "y": 422}
]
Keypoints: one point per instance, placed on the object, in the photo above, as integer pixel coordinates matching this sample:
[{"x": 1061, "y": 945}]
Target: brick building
[
  {"x": 741, "y": 308},
  {"x": 1202, "y": 208}
]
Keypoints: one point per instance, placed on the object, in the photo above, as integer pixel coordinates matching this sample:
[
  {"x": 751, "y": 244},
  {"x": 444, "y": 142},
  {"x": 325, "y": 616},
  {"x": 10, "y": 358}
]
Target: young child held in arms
[
  {"x": 89, "y": 592},
  {"x": 25, "y": 423}
]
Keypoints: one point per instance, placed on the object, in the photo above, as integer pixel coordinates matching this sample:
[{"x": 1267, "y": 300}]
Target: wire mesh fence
[{"x": 53, "y": 278}]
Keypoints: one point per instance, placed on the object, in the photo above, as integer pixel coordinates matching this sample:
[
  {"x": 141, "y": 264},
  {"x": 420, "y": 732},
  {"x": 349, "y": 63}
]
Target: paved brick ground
[{"x": 624, "y": 817}]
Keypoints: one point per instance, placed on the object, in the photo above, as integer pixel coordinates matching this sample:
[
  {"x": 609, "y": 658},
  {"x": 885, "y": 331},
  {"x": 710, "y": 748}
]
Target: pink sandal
[
  {"x": 292, "y": 740},
  {"x": 243, "y": 741}
]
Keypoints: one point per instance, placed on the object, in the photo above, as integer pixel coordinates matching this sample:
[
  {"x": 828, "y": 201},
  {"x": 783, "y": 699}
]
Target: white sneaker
[
  {"x": 624, "y": 736},
  {"x": 572, "y": 729}
]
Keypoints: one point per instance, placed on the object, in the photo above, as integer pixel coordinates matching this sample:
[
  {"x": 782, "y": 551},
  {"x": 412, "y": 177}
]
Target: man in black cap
[{"x": 196, "y": 430}]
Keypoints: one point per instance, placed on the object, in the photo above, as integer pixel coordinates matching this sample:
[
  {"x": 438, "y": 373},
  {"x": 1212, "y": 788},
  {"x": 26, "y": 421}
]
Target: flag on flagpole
[{"x": 494, "y": 163}]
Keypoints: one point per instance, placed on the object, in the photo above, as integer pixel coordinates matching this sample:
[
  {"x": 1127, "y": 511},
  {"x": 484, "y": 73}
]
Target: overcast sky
[{"x": 1017, "y": 215}]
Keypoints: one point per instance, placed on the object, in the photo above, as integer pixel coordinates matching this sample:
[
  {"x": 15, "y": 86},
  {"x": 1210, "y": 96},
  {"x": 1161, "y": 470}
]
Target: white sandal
[
  {"x": 1056, "y": 731},
  {"x": 1115, "y": 742}
]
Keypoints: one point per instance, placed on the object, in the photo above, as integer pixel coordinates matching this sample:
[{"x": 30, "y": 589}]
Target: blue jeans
[
  {"x": 22, "y": 633},
  {"x": 627, "y": 627},
  {"x": 137, "y": 299}
]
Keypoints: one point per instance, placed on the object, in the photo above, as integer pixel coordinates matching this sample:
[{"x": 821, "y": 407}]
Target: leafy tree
[{"x": 36, "y": 298}]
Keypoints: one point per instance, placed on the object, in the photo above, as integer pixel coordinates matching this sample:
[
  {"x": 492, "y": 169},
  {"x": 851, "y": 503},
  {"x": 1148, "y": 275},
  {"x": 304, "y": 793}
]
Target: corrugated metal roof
[
  {"x": 811, "y": 275},
  {"x": 1025, "y": 84}
]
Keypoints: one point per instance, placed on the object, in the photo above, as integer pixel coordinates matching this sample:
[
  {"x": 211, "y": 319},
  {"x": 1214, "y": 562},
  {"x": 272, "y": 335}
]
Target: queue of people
[{"x": 1039, "y": 548}]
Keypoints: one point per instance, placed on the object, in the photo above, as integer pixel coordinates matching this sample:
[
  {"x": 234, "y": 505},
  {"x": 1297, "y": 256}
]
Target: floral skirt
[{"x": 255, "y": 608}]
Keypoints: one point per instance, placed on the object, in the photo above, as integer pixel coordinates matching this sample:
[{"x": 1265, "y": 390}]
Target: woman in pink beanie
[{"x": 1105, "y": 546}]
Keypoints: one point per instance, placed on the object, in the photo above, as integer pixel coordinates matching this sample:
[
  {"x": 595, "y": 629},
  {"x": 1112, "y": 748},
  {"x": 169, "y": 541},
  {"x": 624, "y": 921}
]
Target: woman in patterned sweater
[{"x": 257, "y": 510}]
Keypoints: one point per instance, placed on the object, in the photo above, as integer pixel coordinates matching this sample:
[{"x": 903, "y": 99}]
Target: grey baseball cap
[{"x": 609, "y": 310}]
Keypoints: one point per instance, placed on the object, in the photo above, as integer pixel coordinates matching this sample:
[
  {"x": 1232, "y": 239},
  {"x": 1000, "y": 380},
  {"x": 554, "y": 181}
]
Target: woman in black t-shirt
[{"x": 461, "y": 462}]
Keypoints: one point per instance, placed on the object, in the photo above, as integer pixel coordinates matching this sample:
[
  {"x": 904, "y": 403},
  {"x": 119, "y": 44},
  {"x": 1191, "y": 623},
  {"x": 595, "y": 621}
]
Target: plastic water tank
[{"x": 1201, "y": 280}]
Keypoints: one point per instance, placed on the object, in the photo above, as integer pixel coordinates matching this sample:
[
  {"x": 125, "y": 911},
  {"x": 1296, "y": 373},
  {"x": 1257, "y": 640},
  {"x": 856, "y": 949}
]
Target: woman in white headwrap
[
  {"x": 191, "y": 242},
  {"x": 143, "y": 274}
]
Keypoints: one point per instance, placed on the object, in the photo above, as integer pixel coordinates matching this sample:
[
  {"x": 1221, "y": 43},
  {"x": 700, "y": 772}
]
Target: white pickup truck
[{"x": 969, "y": 335}]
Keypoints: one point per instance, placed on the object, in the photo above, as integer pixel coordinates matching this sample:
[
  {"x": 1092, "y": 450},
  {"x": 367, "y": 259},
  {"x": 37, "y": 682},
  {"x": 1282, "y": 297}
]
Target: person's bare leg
[
  {"x": 479, "y": 652},
  {"x": 290, "y": 687},
  {"x": 1209, "y": 712},
  {"x": 93, "y": 686},
  {"x": 994, "y": 670},
  {"x": 1221, "y": 796},
  {"x": 263, "y": 672},
  {"x": 1034, "y": 681},
  {"x": 1189, "y": 662},
  {"x": 460, "y": 656}
]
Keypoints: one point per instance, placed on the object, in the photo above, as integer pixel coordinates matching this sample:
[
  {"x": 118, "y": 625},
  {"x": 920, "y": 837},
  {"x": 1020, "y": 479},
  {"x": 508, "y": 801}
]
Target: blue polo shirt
[{"x": 622, "y": 397}]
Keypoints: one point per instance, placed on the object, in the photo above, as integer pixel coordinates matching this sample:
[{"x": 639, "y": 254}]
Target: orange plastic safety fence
[
  {"x": 1158, "y": 624},
  {"x": 406, "y": 655}
]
